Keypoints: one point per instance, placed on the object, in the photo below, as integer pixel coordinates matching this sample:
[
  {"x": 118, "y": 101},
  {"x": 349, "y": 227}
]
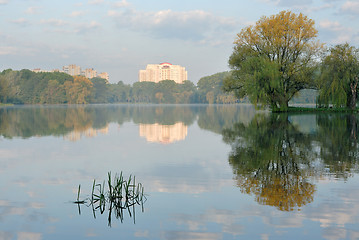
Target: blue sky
[{"x": 121, "y": 37}]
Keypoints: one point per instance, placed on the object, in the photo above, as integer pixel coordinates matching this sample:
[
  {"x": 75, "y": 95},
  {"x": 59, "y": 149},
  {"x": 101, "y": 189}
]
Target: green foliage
[
  {"x": 4, "y": 89},
  {"x": 274, "y": 59},
  {"x": 210, "y": 89},
  {"x": 143, "y": 92},
  {"x": 338, "y": 82},
  {"x": 27, "y": 87},
  {"x": 100, "y": 91},
  {"x": 119, "y": 93},
  {"x": 166, "y": 91},
  {"x": 119, "y": 195}
]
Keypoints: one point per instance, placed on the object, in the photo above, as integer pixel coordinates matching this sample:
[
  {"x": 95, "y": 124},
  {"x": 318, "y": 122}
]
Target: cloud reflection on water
[
  {"x": 334, "y": 216},
  {"x": 195, "y": 170},
  {"x": 29, "y": 236}
]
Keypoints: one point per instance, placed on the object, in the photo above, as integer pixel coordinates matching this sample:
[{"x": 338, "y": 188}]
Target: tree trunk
[
  {"x": 353, "y": 88},
  {"x": 283, "y": 104},
  {"x": 274, "y": 106}
]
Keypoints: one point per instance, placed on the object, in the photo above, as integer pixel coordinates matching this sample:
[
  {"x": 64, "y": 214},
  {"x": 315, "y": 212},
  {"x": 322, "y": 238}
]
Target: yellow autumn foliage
[
  {"x": 274, "y": 59},
  {"x": 78, "y": 90},
  {"x": 282, "y": 37}
]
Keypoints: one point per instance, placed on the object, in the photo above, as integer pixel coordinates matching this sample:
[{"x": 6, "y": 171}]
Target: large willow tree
[
  {"x": 340, "y": 77},
  {"x": 274, "y": 59}
]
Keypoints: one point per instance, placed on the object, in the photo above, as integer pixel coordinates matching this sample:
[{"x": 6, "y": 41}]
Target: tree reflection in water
[
  {"x": 277, "y": 163},
  {"x": 73, "y": 121},
  {"x": 338, "y": 139}
]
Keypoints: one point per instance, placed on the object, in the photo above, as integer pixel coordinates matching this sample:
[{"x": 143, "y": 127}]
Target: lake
[{"x": 208, "y": 172}]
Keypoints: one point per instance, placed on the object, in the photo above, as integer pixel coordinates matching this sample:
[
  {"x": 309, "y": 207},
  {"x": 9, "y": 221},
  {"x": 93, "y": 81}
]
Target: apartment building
[{"x": 164, "y": 71}]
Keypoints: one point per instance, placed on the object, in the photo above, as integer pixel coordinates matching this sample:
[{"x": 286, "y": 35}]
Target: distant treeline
[{"x": 27, "y": 87}]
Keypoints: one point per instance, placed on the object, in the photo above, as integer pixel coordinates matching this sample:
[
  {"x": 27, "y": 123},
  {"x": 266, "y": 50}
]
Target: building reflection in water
[
  {"x": 89, "y": 132},
  {"x": 164, "y": 134}
]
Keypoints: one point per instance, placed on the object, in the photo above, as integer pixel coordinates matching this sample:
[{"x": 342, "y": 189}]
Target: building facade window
[{"x": 164, "y": 71}]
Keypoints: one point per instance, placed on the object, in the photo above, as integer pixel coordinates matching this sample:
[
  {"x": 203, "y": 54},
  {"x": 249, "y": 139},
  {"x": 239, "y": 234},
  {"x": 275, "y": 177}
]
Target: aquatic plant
[{"x": 117, "y": 195}]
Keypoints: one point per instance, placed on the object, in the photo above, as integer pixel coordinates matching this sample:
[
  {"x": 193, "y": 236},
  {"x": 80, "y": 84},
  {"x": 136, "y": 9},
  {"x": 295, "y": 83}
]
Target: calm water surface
[{"x": 209, "y": 172}]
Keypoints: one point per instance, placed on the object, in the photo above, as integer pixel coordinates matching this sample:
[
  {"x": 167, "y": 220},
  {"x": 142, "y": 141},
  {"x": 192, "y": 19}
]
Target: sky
[{"x": 122, "y": 37}]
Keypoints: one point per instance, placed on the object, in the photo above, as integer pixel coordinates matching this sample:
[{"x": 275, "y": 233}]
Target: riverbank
[
  {"x": 316, "y": 109},
  {"x": 6, "y": 104}
]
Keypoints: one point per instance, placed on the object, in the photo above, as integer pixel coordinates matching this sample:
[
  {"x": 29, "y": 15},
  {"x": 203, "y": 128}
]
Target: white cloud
[
  {"x": 121, "y": 4},
  {"x": 332, "y": 25},
  {"x": 32, "y": 10},
  {"x": 310, "y": 9},
  {"x": 343, "y": 38},
  {"x": 95, "y": 2},
  {"x": 7, "y": 50},
  {"x": 54, "y": 22},
  {"x": 334, "y": 233},
  {"x": 64, "y": 27},
  {"x": 322, "y": 7},
  {"x": 84, "y": 27},
  {"x": 350, "y": 7},
  {"x": 195, "y": 25},
  {"x": 21, "y": 22},
  {"x": 3, "y": 2},
  {"x": 337, "y": 32},
  {"x": 289, "y": 3},
  {"x": 112, "y": 13},
  {"x": 77, "y": 13}
]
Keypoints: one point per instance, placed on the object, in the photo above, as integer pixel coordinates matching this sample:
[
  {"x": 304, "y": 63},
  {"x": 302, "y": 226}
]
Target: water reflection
[
  {"x": 217, "y": 117},
  {"x": 90, "y": 132},
  {"x": 279, "y": 164},
  {"x": 163, "y": 133},
  {"x": 164, "y": 115},
  {"x": 164, "y": 124},
  {"x": 338, "y": 140},
  {"x": 70, "y": 122}
]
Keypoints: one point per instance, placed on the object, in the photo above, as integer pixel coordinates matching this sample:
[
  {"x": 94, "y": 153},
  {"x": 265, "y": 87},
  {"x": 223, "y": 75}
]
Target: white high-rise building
[
  {"x": 72, "y": 70},
  {"x": 164, "y": 71},
  {"x": 89, "y": 73},
  {"x": 103, "y": 75},
  {"x": 75, "y": 70}
]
